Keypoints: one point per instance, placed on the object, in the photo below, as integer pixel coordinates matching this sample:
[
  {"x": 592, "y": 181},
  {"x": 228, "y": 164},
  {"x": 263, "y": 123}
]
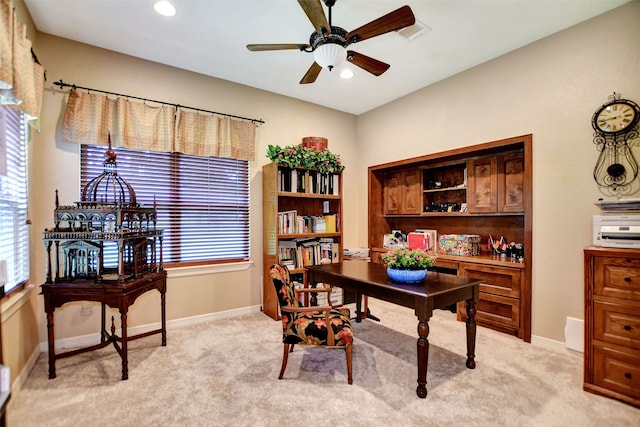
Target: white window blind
[
  {"x": 14, "y": 231},
  {"x": 202, "y": 202}
]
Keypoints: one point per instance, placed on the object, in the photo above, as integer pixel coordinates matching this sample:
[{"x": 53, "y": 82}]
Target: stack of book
[{"x": 299, "y": 253}]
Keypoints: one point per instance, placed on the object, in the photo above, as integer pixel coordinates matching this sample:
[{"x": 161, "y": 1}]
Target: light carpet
[{"x": 224, "y": 373}]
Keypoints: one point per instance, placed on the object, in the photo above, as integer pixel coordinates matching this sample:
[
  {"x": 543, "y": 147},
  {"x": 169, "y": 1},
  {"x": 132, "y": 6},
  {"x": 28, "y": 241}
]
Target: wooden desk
[
  {"x": 115, "y": 295},
  {"x": 438, "y": 290}
]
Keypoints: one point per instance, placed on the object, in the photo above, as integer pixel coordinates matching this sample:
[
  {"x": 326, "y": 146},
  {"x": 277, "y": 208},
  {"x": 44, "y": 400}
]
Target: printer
[{"x": 616, "y": 231}]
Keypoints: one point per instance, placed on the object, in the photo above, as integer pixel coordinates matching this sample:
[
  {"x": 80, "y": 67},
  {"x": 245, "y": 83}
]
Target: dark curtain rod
[{"x": 73, "y": 86}]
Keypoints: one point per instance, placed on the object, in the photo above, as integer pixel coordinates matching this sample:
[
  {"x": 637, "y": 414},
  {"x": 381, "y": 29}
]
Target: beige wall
[
  {"x": 550, "y": 89},
  {"x": 54, "y": 165}
]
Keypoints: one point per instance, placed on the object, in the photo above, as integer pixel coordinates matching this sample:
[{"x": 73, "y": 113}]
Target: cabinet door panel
[
  {"x": 403, "y": 192},
  {"x": 412, "y": 203},
  {"x": 511, "y": 183},
  {"x": 483, "y": 188},
  {"x": 393, "y": 193}
]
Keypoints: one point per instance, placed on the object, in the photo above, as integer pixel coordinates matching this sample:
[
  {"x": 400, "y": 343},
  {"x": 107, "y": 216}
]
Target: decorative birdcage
[{"x": 105, "y": 237}]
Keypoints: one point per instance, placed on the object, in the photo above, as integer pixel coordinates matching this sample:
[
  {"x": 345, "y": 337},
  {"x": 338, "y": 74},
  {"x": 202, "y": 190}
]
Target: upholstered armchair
[{"x": 309, "y": 325}]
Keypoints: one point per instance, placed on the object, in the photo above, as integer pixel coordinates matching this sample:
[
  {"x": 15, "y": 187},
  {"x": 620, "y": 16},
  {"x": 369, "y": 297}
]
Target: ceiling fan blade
[
  {"x": 316, "y": 15},
  {"x": 281, "y": 46},
  {"x": 312, "y": 74},
  {"x": 393, "y": 21},
  {"x": 371, "y": 65}
]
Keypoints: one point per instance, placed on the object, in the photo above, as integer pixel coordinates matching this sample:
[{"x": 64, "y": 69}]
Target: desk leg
[
  {"x": 471, "y": 333},
  {"x": 125, "y": 361},
  {"x": 52, "y": 343},
  {"x": 358, "y": 307},
  {"x": 423, "y": 358}
]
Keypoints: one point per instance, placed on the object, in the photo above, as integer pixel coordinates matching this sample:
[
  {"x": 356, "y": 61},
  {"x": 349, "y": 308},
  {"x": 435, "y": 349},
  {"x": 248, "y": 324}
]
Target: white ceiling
[{"x": 210, "y": 37}]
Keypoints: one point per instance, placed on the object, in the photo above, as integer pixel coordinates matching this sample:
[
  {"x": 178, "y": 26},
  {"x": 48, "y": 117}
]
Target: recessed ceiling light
[
  {"x": 165, "y": 8},
  {"x": 346, "y": 73}
]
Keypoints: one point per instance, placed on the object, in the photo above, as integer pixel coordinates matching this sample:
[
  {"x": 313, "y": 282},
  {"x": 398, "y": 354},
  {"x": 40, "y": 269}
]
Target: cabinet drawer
[
  {"x": 617, "y": 370},
  {"x": 617, "y": 277},
  {"x": 495, "y": 280},
  {"x": 617, "y": 324},
  {"x": 495, "y": 310}
]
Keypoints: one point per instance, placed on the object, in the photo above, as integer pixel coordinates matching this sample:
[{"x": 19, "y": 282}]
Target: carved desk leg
[
  {"x": 51, "y": 341},
  {"x": 423, "y": 358},
  {"x": 471, "y": 333}
]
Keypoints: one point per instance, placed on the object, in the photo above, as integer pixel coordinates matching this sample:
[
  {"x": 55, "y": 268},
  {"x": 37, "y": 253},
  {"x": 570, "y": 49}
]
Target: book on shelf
[
  {"x": 302, "y": 252},
  {"x": 287, "y": 221},
  {"x": 330, "y": 222},
  {"x": 308, "y": 181}
]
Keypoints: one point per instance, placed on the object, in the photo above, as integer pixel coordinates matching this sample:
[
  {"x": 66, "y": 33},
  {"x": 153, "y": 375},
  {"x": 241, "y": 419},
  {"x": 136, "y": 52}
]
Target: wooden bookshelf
[{"x": 282, "y": 193}]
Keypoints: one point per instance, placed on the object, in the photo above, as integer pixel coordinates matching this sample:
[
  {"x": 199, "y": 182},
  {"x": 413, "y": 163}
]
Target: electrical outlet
[{"x": 85, "y": 310}]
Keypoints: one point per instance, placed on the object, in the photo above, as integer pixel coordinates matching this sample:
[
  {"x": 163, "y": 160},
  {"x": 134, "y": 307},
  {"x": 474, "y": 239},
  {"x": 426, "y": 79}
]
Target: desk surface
[
  {"x": 437, "y": 290},
  {"x": 371, "y": 279}
]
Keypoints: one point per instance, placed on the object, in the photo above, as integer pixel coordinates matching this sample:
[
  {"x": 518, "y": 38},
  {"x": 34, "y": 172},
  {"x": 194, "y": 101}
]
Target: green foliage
[
  {"x": 297, "y": 156},
  {"x": 408, "y": 259}
]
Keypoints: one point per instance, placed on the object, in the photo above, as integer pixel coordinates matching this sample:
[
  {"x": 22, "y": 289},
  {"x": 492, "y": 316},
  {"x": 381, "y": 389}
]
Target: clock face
[{"x": 616, "y": 117}]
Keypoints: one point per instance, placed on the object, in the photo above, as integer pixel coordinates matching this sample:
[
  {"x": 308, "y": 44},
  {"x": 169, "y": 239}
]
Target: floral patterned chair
[{"x": 308, "y": 325}]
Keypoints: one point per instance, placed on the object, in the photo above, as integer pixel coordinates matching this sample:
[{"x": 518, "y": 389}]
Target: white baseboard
[
  {"x": 21, "y": 379},
  {"x": 91, "y": 339}
]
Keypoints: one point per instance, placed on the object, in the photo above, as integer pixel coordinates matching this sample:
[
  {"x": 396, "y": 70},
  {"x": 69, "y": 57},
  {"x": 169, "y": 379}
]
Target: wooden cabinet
[
  {"x": 511, "y": 182},
  {"x": 499, "y": 304},
  {"x": 402, "y": 192},
  {"x": 483, "y": 185},
  {"x": 305, "y": 199},
  {"x": 496, "y": 184},
  {"x": 612, "y": 323},
  {"x": 493, "y": 180}
]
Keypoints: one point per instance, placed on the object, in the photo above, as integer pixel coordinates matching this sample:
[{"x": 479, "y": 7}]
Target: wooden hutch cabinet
[
  {"x": 612, "y": 323},
  {"x": 295, "y": 201},
  {"x": 484, "y": 189},
  {"x": 402, "y": 192}
]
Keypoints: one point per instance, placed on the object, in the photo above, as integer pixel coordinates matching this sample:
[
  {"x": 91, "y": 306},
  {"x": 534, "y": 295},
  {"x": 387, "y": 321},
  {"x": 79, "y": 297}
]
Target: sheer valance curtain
[
  {"x": 89, "y": 118},
  {"x": 21, "y": 76}
]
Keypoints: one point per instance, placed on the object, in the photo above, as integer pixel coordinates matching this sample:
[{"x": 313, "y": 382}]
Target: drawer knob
[
  {"x": 627, "y": 375},
  {"x": 627, "y": 279},
  {"x": 627, "y": 327}
]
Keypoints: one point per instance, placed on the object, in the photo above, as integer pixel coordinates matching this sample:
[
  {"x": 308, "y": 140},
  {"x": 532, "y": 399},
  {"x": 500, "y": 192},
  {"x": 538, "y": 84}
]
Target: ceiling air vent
[{"x": 414, "y": 31}]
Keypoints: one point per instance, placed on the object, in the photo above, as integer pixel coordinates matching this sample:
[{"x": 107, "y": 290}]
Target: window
[
  {"x": 202, "y": 202},
  {"x": 14, "y": 231}
]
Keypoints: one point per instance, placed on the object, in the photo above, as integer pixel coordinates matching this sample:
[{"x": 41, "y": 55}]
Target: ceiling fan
[{"x": 328, "y": 43}]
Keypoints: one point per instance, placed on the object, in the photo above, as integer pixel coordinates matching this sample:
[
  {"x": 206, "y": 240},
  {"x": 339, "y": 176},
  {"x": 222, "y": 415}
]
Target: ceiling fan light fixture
[{"x": 329, "y": 55}]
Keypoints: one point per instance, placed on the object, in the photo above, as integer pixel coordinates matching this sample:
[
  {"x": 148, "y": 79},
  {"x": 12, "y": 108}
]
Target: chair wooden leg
[
  {"x": 348, "y": 349},
  {"x": 285, "y": 357}
]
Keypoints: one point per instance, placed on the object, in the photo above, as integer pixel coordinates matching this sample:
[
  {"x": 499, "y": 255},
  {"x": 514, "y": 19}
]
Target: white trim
[
  {"x": 554, "y": 345},
  {"x": 12, "y": 303},
  {"x": 21, "y": 379},
  {"x": 91, "y": 339},
  {"x": 200, "y": 270}
]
